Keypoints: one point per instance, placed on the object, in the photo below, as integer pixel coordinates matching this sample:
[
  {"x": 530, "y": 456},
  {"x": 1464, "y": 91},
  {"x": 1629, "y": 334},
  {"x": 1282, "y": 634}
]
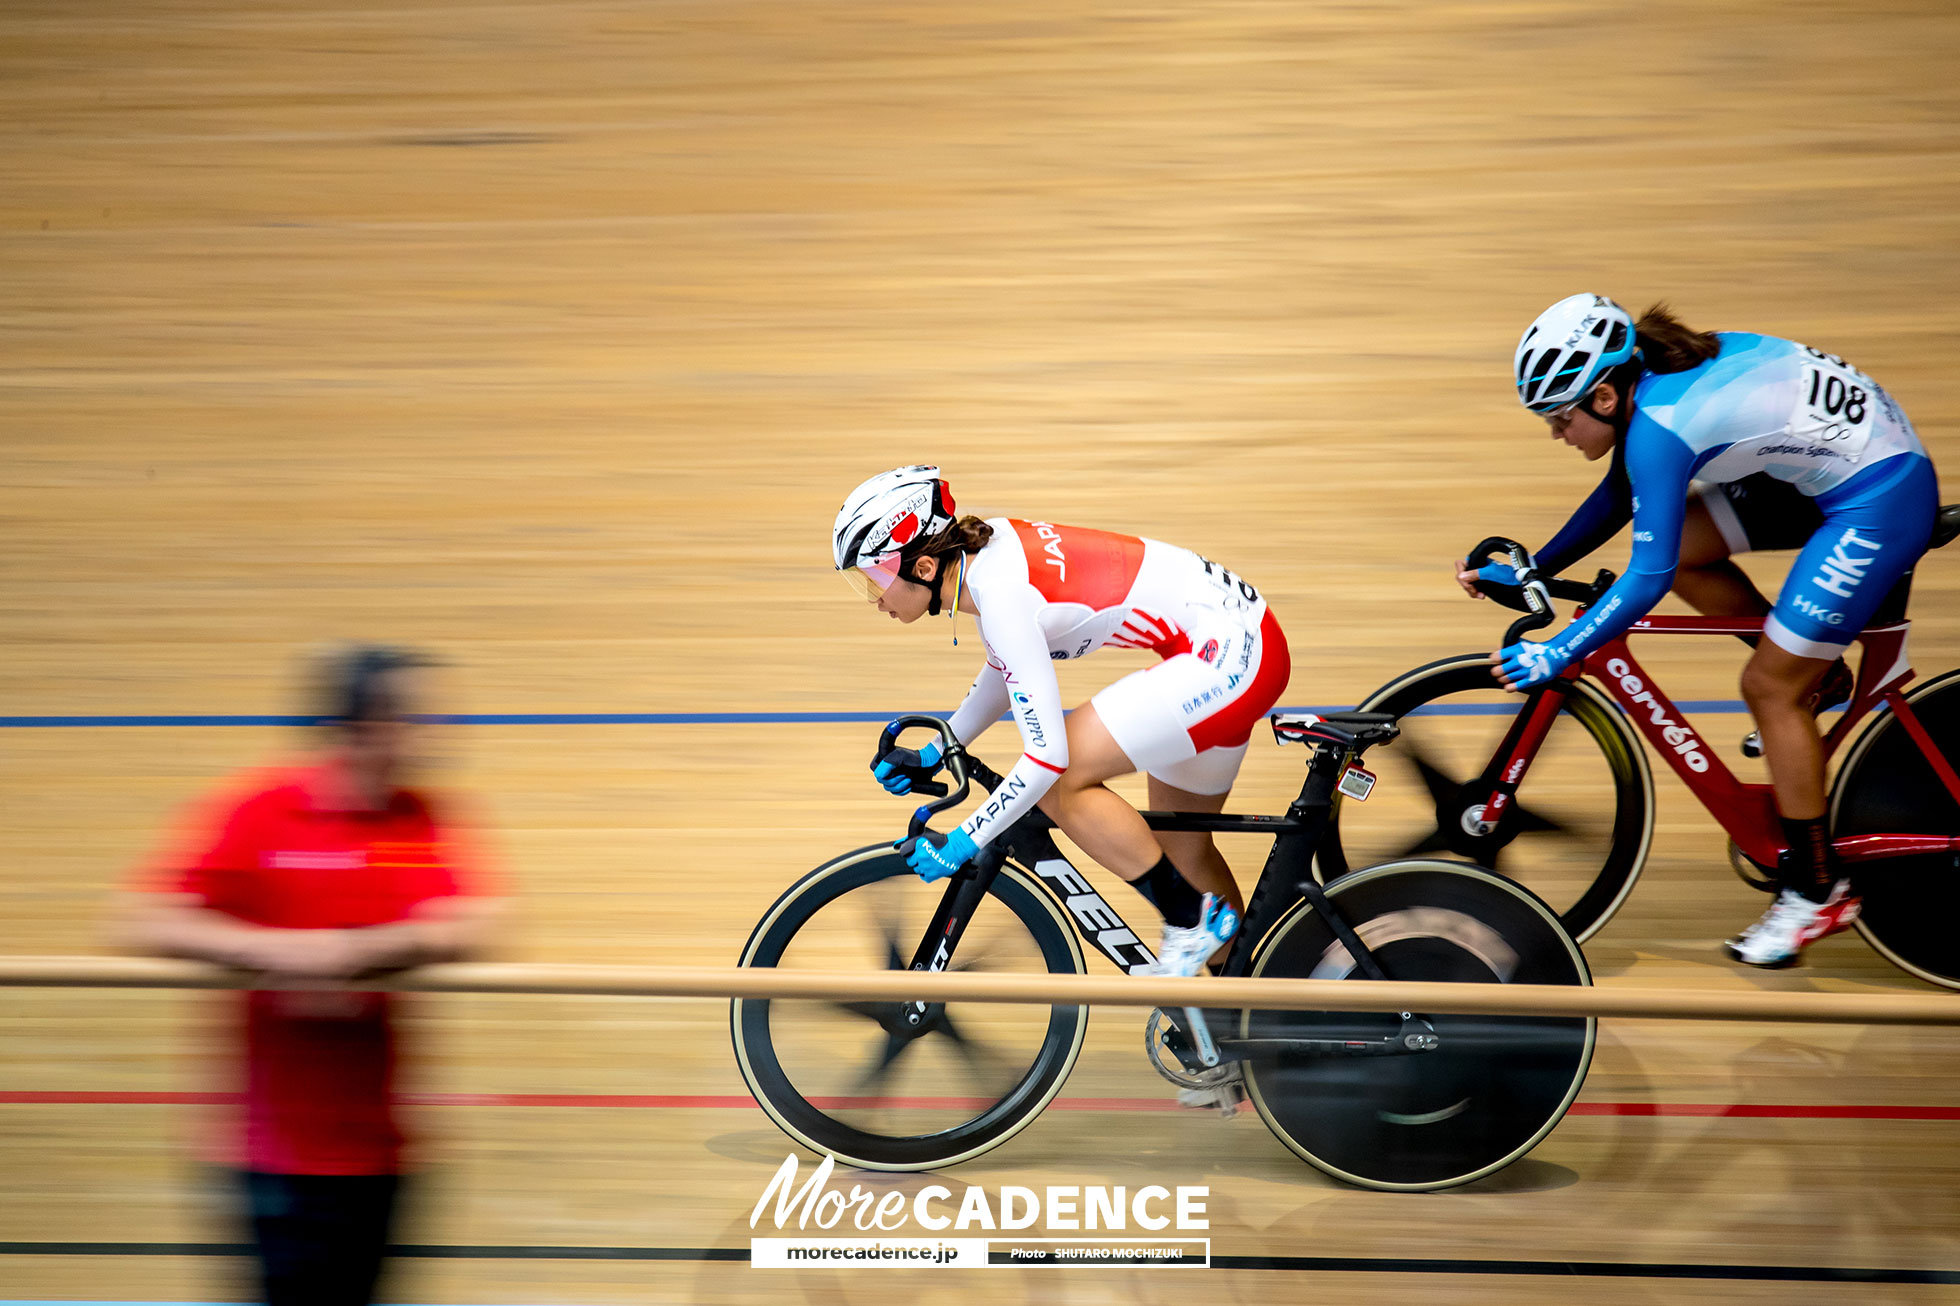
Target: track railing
[{"x": 1620, "y": 1000}]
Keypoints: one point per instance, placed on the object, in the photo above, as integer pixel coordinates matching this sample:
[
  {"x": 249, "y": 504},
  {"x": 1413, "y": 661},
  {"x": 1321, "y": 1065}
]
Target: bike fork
[
  {"x": 1513, "y": 756},
  {"x": 956, "y": 907}
]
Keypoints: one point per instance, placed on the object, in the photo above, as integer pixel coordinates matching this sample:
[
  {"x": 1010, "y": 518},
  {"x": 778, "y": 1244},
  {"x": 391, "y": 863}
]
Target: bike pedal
[
  {"x": 1167, "y": 1046},
  {"x": 1752, "y": 744},
  {"x": 1227, "y": 1098}
]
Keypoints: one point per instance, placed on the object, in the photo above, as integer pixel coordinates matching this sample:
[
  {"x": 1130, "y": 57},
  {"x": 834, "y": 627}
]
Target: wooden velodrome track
[{"x": 550, "y": 335}]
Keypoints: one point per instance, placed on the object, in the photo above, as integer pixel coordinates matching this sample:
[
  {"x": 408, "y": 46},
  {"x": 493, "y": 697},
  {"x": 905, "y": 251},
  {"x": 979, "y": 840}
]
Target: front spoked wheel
[
  {"x": 1490, "y": 1089},
  {"x": 1887, "y": 786},
  {"x": 1578, "y": 831},
  {"x": 864, "y": 1081}
]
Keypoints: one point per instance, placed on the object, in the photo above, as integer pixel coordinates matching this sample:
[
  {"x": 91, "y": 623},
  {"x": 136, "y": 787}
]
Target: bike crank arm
[
  {"x": 1204, "y": 1047},
  {"x": 1188, "y": 1037}
]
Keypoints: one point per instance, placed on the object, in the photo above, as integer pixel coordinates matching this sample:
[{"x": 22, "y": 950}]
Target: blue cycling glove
[
  {"x": 935, "y": 856},
  {"x": 1498, "y": 573},
  {"x": 891, "y": 769},
  {"x": 1525, "y": 664}
]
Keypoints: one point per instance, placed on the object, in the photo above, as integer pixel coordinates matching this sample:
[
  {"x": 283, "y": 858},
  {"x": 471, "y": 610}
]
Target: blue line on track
[{"x": 111, "y": 721}]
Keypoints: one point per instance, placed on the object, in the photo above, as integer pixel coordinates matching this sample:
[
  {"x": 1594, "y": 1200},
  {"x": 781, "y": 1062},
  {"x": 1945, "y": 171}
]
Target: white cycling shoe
[
  {"x": 1791, "y": 924},
  {"x": 1186, "y": 948}
]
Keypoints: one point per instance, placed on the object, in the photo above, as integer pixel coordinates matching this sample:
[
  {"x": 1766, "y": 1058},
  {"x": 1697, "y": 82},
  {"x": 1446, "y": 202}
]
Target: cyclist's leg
[
  {"x": 1136, "y": 724},
  {"x": 1863, "y": 545},
  {"x": 1195, "y": 852},
  {"x": 1777, "y": 685},
  {"x": 1814, "y": 900},
  {"x": 1187, "y": 722},
  {"x": 1102, "y": 824},
  {"x": 1869, "y": 538},
  {"x": 1749, "y": 515},
  {"x": 1201, "y": 784},
  {"x": 1097, "y": 818},
  {"x": 1707, "y": 578}
]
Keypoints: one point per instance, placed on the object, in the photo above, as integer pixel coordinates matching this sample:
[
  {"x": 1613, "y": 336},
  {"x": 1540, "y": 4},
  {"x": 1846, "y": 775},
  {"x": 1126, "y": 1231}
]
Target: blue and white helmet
[{"x": 1562, "y": 355}]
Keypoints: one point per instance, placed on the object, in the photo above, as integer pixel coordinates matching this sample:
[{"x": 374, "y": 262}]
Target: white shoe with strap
[
  {"x": 1186, "y": 948},
  {"x": 1792, "y": 923}
]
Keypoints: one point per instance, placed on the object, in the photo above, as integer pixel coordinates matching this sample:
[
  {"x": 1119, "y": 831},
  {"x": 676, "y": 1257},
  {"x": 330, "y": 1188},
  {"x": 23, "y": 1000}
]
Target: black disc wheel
[
  {"x": 1490, "y": 1089},
  {"x": 1577, "y": 832},
  {"x": 881, "y": 1085},
  {"x": 1887, "y": 786}
]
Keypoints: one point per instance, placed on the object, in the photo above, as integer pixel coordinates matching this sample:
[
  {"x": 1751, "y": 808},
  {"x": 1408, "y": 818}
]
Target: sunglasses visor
[{"x": 872, "y": 579}]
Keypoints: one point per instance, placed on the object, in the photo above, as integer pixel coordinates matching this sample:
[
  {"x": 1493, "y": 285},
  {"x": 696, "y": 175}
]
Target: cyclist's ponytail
[
  {"x": 967, "y": 535},
  {"x": 1669, "y": 345}
]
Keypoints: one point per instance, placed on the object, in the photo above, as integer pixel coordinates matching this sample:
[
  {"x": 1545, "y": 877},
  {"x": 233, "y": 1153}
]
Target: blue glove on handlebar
[
  {"x": 1525, "y": 664},
  {"x": 935, "y": 856},
  {"x": 891, "y": 769},
  {"x": 1498, "y": 573}
]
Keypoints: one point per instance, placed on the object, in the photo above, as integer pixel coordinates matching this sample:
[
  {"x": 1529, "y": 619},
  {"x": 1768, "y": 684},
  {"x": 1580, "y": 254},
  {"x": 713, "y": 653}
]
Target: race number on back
[{"x": 1835, "y": 403}]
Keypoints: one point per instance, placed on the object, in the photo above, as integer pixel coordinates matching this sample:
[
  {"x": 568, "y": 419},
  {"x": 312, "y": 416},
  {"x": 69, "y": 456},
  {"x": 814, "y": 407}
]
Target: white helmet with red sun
[{"x": 885, "y": 520}]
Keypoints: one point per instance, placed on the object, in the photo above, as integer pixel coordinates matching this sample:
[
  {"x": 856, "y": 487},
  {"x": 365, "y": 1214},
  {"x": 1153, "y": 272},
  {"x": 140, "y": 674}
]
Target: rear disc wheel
[
  {"x": 1886, "y": 786},
  {"x": 1493, "y": 1087}
]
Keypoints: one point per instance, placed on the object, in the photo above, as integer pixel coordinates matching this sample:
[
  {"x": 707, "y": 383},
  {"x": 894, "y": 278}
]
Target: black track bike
[{"x": 1405, "y": 1101}]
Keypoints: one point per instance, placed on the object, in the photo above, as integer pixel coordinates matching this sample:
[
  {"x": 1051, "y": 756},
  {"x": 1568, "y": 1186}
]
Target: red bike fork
[{"x": 1520, "y": 746}]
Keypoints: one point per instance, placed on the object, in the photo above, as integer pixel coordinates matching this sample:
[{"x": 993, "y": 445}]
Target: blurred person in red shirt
[{"x": 324, "y": 871}]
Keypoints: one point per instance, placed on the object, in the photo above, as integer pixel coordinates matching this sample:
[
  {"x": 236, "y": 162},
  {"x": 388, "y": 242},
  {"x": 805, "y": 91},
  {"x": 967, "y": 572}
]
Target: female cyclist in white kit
[{"x": 1042, "y": 594}]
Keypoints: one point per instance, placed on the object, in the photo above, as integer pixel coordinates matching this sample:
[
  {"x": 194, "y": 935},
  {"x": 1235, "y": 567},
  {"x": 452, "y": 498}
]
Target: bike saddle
[
  {"x": 1946, "y": 527},
  {"x": 1348, "y": 729}
]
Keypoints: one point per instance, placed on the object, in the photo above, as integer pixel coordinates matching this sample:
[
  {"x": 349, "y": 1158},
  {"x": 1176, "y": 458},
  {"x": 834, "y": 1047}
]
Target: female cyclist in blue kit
[{"x": 1721, "y": 443}]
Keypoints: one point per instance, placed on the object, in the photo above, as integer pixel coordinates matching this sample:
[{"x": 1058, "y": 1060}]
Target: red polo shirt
[{"x": 319, "y": 1066}]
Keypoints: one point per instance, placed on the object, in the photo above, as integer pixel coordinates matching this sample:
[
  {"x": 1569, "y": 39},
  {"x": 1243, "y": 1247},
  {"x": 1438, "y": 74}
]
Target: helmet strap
[
  {"x": 957, "y": 588},
  {"x": 1622, "y": 379},
  {"x": 936, "y": 586},
  {"x": 1588, "y": 409},
  {"x": 938, "y": 583}
]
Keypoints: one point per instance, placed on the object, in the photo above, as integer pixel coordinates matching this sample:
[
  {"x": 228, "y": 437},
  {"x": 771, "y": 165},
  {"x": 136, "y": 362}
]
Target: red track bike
[{"x": 1553, "y": 789}]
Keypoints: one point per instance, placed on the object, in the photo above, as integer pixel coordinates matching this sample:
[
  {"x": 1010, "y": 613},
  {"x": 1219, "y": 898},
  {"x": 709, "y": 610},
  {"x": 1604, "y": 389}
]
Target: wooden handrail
[{"x": 1623, "y": 1000}]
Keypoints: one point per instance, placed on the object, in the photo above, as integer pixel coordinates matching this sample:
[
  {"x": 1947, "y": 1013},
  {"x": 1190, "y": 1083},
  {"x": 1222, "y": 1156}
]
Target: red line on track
[
  {"x": 741, "y": 1101},
  {"x": 1765, "y": 1111}
]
